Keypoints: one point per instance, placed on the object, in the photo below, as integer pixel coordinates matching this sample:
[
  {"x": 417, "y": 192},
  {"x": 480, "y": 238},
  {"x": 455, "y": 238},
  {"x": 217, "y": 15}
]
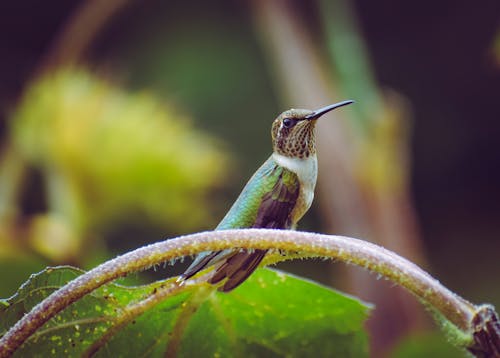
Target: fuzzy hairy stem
[{"x": 459, "y": 312}]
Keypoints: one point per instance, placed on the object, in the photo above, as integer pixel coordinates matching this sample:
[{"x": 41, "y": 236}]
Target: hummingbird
[{"x": 275, "y": 197}]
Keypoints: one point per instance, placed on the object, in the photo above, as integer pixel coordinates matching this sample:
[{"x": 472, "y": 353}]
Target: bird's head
[{"x": 293, "y": 131}]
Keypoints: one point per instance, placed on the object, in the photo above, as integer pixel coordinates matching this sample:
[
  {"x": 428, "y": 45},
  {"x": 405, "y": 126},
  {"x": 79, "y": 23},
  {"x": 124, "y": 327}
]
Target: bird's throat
[{"x": 307, "y": 172}]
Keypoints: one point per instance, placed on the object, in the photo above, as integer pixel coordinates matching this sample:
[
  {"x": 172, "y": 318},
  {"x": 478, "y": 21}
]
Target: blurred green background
[{"x": 152, "y": 126}]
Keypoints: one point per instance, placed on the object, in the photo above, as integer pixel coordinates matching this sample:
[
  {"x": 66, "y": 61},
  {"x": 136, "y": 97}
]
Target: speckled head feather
[
  {"x": 293, "y": 131},
  {"x": 293, "y": 135}
]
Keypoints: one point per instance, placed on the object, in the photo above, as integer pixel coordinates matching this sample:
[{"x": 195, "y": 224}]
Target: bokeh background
[{"x": 124, "y": 122}]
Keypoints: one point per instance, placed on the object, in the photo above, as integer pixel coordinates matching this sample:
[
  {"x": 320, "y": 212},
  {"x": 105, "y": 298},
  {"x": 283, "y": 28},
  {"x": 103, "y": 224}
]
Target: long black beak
[{"x": 319, "y": 112}]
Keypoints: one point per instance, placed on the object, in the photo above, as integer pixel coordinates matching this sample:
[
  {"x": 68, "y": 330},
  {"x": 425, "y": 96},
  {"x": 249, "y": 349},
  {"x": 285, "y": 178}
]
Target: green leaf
[
  {"x": 272, "y": 314},
  {"x": 73, "y": 330},
  {"x": 35, "y": 289},
  {"x": 277, "y": 314}
]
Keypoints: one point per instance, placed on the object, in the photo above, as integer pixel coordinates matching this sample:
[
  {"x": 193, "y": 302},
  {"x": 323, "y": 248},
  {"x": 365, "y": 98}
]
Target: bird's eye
[{"x": 288, "y": 122}]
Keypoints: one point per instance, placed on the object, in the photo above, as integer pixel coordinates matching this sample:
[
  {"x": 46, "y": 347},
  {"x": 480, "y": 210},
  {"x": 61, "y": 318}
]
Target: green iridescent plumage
[{"x": 243, "y": 213}]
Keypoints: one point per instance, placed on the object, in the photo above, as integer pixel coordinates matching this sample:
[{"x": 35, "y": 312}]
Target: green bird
[{"x": 275, "y": 197}]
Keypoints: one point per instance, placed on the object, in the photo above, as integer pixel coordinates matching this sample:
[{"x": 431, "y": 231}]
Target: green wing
[{"x": 266, "y": 201}]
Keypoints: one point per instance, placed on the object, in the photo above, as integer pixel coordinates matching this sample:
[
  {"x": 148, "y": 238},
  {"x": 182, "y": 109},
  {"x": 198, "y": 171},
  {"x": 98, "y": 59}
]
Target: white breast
[{"x": 307, "y": 171}]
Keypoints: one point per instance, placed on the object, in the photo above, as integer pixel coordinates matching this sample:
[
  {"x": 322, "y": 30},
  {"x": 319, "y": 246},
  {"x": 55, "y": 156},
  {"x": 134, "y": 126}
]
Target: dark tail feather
[
  {"x": 237, "y": 268},
  {"x": 199, "y": 264}
]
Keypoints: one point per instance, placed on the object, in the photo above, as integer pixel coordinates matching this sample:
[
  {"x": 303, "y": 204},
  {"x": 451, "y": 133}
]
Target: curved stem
[{"x": 370, "y": 256}]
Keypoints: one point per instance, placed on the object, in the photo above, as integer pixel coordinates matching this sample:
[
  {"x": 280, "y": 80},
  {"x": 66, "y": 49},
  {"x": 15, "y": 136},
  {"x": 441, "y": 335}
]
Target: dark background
[{"x": 205, "y": 56}]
